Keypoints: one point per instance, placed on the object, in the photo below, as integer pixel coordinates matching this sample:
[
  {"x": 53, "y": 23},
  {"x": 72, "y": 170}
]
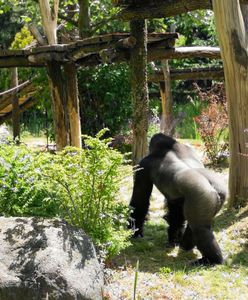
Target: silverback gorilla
[{"x": 194, "y": 196}]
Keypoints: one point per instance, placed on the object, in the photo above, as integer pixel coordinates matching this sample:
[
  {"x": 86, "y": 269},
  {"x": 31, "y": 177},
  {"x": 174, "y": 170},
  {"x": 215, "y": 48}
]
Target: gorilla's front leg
[
  {"x": 175, "y": 219},
  {"x": 140, "y": 198},
  {"x": 207, "y": 245}
]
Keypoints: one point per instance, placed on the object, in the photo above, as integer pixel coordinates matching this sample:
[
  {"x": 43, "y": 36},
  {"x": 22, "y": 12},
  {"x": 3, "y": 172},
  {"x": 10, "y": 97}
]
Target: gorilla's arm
[{"x": 141, "y": 197}]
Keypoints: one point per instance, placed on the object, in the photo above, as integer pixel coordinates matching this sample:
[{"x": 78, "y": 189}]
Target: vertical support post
[
  {"x": 73, "y": 105},
  {"x": 55, "y": 77},
  {"x": 139, "y": 89},
  {"x": 15, "y": 106},
  {"x": 166, "y": 125}
]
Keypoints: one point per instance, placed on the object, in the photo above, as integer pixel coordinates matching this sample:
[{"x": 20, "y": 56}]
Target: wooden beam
[
  {"x": 27, "y": 104},
  {"x": 149, "y": 9},
  {"x": 14, "y": 90},
  {"x": 39, "y": 56},
  {"x": 184, "y": 52},
  {"x": 157, "y": 54},
  {"x": 6, "y": 99},
  {"x": 189, "y": 74},
  {"x": 121, "y": 55},
  {"x": 163, "y": 9}
]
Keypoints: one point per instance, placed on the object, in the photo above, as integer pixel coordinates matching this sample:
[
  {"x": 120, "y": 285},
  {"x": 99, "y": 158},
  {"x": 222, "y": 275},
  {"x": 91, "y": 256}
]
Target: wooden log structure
[
  {"x": 189, "y": 74},
  {"x": 149, "y": 9},
  {"x": 14, "y": 90},
  {"x": 29, "y": 102},
  {"x": 25, "y": 88},
  {"x": 82, "y": 50}
]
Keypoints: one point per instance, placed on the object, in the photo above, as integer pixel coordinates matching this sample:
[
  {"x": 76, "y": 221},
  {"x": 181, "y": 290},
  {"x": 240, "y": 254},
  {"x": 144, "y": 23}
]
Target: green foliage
[
  {"x": 80, "y": 186},
  {"x": 187, "y": 128},
  {"x": 22, "y": 39},
  {"x": 106, "y": 102}
]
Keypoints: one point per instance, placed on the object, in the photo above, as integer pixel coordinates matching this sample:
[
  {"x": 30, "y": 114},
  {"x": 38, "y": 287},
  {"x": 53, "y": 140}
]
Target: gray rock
[{"x": 47, "y": 259}]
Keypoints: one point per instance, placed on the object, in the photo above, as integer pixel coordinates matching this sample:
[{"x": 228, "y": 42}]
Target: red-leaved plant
[{"x": 213, "y": 123}]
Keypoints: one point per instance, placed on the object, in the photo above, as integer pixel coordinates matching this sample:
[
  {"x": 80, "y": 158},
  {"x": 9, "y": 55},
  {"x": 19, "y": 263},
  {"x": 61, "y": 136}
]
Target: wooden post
[
  {"x": 139, "y": 89},
  {"x": 58, "y": 100},
  {"x": 15, "y": 106},
  {"x": 73, "y": 105},
  {"x": 166, "y": 98}
]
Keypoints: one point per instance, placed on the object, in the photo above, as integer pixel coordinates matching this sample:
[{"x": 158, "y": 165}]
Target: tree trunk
[
  {"x": 84, "y": 18},
  {"x": 139, "y": 90},
  {"x": 55, "y": 76},
  {"x": 15, "y": 106},
  {"x": 233, "y": 41},
  {"x": 73, "y": 105},
  {"x": 49, "y": 19}
]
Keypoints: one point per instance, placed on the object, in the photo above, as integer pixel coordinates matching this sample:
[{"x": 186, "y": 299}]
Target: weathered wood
[
  {"x": 6, "y": 99},
  {"x": 162, "y": 9},
  {"x": 15, "y": 89},
  {"x": 183, "y": 52},
  {"x": 167, "y": 100},
  {"x": 15, "y": 106},
  {"x": 149, "y": 9},
  {"x": 43, "y": 58},
  {"x": 84, "y": 18},
  {"x": 58, "y": 100},
  {"x": 21, "y": 61},
  {"x": 36, "y": 34},
  {"x": 49, "y": 18},
  {"x": 27, "y": 104},
  {"x": 189, "y": 74},
  {"x": 154, "y": 54},
  {"x": 139, "y": 90},
  {"x": 122, "y": 55},
  {"x": 73, "y": 105},
  {"x": 231, "y": 30},
  {"x": 39, "y": 56}
]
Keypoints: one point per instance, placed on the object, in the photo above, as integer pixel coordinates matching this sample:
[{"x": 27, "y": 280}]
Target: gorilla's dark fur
[{"x": 194, "y": 196}]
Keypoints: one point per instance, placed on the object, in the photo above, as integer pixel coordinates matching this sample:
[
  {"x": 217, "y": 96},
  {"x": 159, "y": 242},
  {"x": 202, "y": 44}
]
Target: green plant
[
  {"x": 79, "y": 185},
  {"x": 187, "y": 128}
]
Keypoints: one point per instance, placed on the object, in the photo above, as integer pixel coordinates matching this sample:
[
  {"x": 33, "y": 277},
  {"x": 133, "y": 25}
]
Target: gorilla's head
[{"x": 161, "y": 143}]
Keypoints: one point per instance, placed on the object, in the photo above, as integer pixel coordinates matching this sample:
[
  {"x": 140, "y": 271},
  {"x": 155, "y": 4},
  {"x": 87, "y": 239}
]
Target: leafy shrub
[
  {"x": 79, "y": 185},
  {"x": 213, "y": 123}
]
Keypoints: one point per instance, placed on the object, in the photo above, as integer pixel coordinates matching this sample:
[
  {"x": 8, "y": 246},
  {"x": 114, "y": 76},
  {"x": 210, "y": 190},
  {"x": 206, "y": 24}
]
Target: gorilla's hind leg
[
  {"x": 176, "y": 221},
  {"x": 187, "y": 243},
  {"x": 207, "y": 245}
]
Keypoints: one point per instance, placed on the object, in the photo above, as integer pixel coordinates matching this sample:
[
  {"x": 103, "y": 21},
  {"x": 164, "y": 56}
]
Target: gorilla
[{"x": 194, "y": 196}]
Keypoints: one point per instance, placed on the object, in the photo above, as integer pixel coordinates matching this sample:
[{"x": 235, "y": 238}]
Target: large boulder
[{"x": 47, "y": 259}]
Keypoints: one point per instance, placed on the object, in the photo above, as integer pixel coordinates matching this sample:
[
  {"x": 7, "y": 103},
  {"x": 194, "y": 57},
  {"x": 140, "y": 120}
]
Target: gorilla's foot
[
  {"x": 169, "y": 245},
  {"x": 204, "y": 261},
  {"x": 138, "y": 234}
]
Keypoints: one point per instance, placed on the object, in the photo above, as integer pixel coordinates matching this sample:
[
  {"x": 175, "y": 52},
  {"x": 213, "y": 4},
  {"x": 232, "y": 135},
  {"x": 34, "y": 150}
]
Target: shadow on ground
[{"x": 152, "y": 253}]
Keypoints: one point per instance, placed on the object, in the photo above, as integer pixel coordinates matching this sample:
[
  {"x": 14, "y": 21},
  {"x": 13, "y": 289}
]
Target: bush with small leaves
[{"x": 79, "y": 185}]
